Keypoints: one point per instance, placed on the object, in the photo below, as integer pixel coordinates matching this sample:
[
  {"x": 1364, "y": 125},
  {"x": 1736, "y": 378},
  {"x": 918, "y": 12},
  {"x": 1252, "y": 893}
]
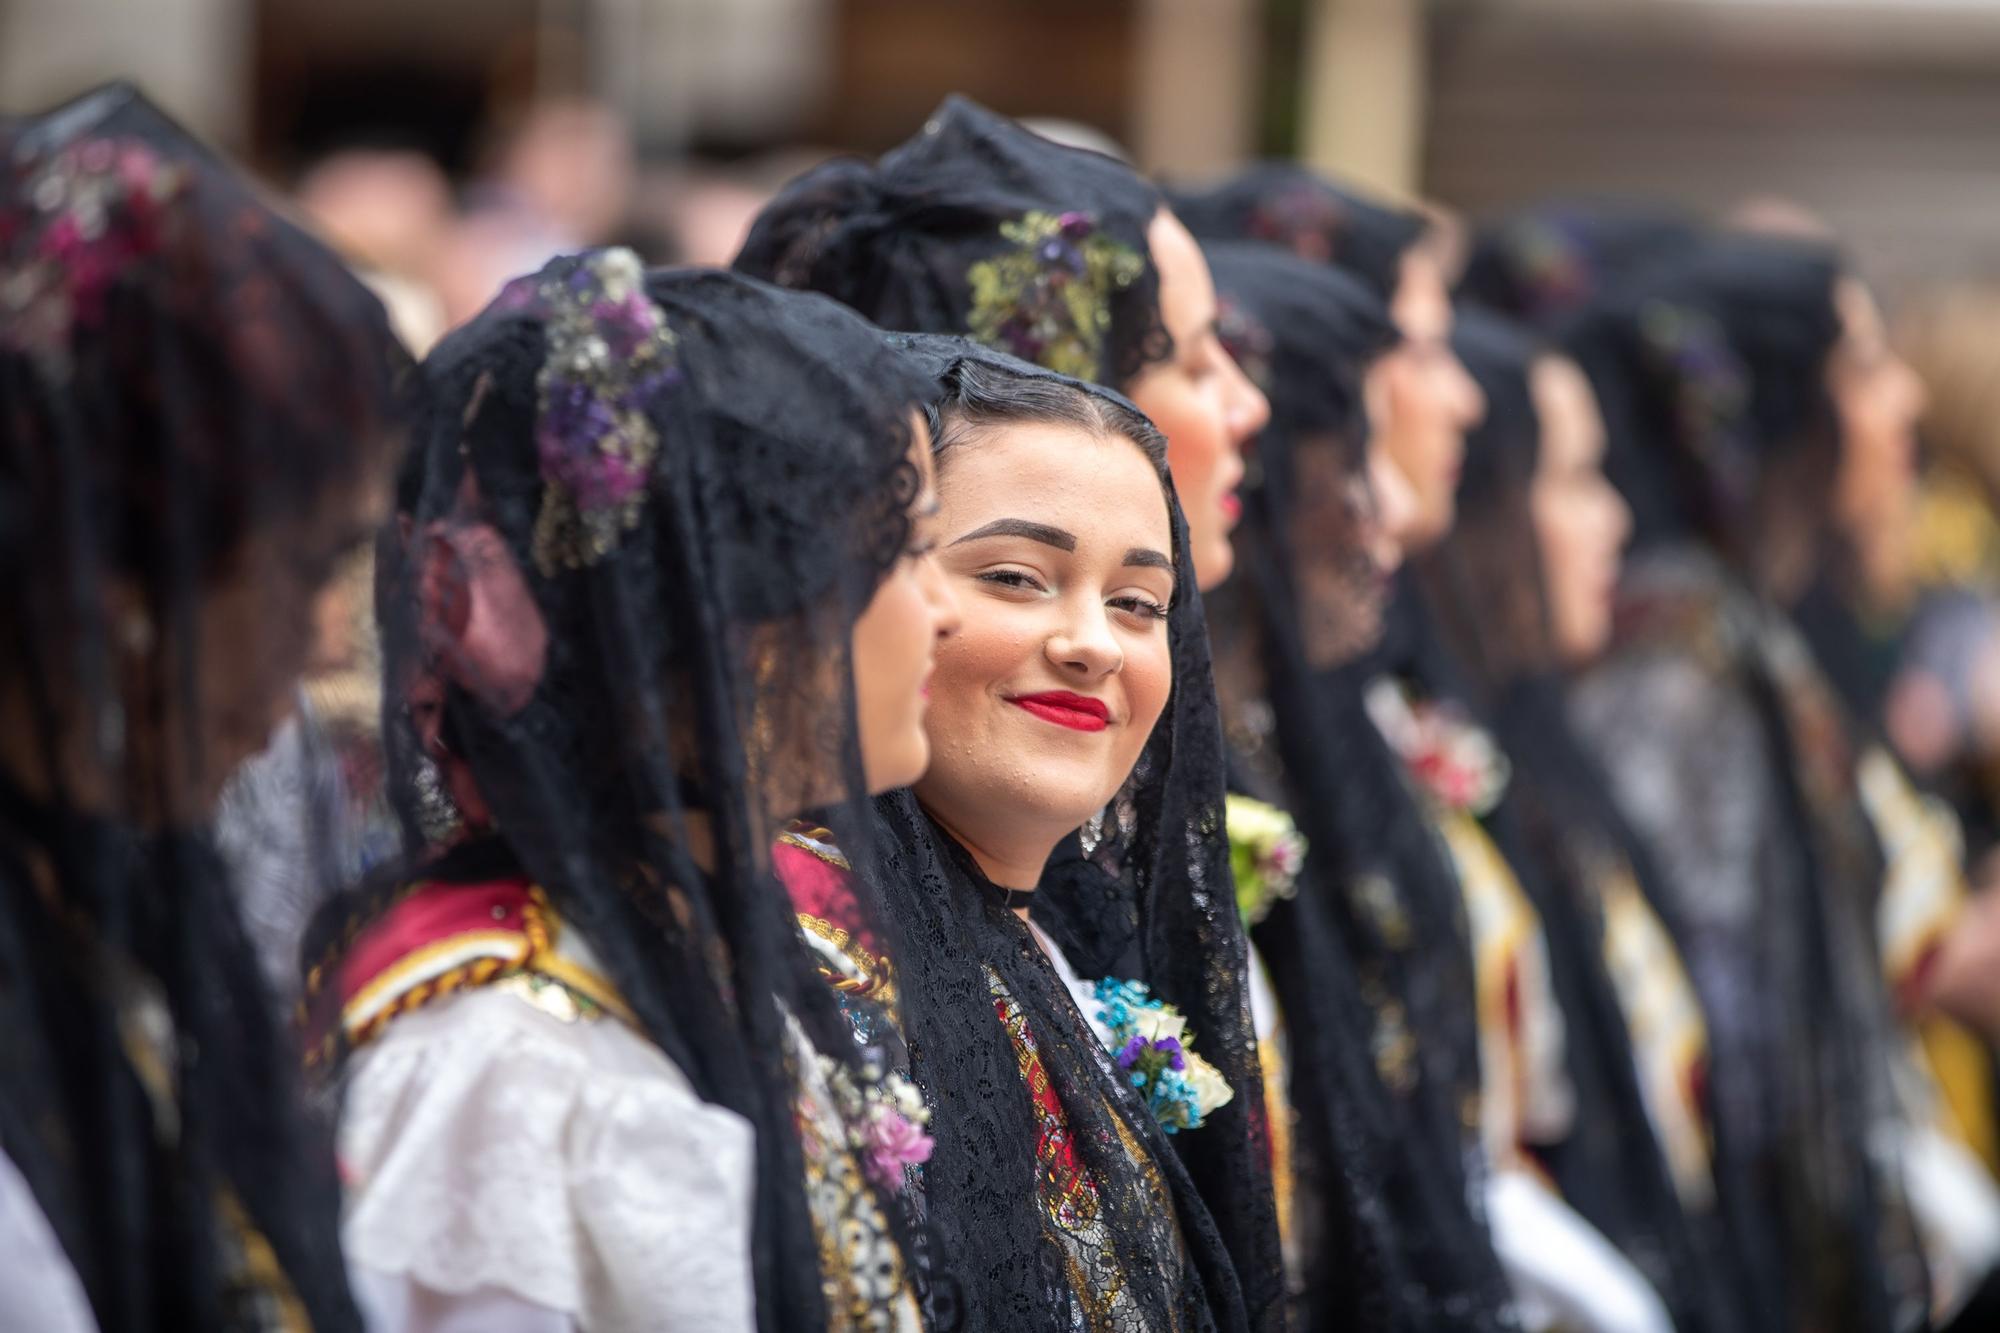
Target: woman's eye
[
  {"x": 1010, "y": 578},
  {"x": 1144, "y": 607}
]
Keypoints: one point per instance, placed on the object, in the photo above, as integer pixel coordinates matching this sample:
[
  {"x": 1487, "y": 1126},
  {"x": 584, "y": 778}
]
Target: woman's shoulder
[
  {"x": 479, "y": 988},
  {"x": 435, "y": 941},
  {"x": 506, "y": 1130}
]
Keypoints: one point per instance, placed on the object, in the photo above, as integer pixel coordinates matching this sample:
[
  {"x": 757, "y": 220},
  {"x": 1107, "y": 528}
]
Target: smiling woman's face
[{"x": 1058, "y": 545}]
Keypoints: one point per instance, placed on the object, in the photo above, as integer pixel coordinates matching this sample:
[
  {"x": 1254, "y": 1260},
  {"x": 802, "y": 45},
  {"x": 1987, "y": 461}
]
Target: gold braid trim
[
  {"x": 877, "y": 979},
  {"x": 258, "y": 1266},
  {"x": 540, "y": 927},
  {"x": 816, "y": 841},
  {"x": 478, "y": 972}
]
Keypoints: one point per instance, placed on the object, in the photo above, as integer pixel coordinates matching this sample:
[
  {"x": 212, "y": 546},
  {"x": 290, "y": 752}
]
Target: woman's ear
[{"x": 481, "y": 628}]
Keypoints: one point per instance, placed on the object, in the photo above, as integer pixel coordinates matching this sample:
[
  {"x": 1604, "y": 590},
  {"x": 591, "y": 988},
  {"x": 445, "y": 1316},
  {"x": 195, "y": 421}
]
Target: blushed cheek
[
  {"x": 985, "y": 652},
  {"x": 1193, "y": 448},
  {"x": 1149, "y": 678},
  {"x": 1195, "y": 436}
]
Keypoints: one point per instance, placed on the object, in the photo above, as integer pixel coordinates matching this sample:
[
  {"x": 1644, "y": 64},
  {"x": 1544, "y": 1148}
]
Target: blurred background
[{"x": 435, "y": 138}]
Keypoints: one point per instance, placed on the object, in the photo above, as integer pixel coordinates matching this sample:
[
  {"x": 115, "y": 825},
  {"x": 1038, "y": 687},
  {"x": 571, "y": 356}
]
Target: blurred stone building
[{"x": 1877, "y": 113}]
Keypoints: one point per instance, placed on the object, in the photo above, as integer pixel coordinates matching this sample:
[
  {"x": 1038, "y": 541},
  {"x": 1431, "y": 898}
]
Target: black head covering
[
  {"x": 1167, "y": 901},
  {"x": 701, "y": 480},
  {"x": 181, "y": 372},
  {"x": 1544, "y": 263},
  {"x": 1485, "y": 586},
  {"x": 1369, "y": 958},
  {"x": 1305, "y": 333},
  {"x": 1710, "y": 368},
  {"x": 1290, "y": 206},
  {"x": 978, "y": 226}
]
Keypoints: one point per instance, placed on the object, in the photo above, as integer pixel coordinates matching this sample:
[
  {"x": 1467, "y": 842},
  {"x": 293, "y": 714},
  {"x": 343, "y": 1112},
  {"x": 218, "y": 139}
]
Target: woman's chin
[
  {"x": 1046, "y": 810},
  {"x": 1215, "y": 563},
  {"x": 911, "y": 761}
]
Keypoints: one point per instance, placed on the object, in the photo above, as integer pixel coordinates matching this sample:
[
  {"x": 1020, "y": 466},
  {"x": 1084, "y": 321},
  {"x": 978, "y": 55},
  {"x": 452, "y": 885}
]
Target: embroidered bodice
[
  {"x": 820, "y": 882},
  {"x": 1525, "y": 1092}
]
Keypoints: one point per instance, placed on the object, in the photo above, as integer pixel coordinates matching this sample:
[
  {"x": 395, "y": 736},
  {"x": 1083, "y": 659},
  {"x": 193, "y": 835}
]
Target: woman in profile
[
  {"x": 1522, "y": 593},
  {"x": 1373, "y": 1177},
  {"x": 661, "y": 583},
  {"x": 200, "y": 417}
]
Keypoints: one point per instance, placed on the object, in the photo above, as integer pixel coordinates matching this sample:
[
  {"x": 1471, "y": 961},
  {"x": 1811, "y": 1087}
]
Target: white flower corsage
[{"x": 1266, "y": 852}]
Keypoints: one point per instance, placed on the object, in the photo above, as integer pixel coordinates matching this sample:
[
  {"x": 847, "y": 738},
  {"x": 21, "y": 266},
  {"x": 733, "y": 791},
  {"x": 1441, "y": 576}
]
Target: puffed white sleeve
[
  {"x": 506, "y": 1165},
  {"x": 41, "y": 1290}
]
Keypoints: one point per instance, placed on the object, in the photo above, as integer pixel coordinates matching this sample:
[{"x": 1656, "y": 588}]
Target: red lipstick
[
  {"x": 1065, "y": 709},
  {"x": 1232, "y": 506}
]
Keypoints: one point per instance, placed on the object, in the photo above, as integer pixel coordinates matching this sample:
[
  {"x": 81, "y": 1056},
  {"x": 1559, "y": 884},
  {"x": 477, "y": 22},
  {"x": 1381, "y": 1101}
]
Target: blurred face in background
[
  {"x": 1425, "y": 398},
  {"x": 1200, "y": 399},
  {"x": 1878, "y": 399},
  {"x": 895, "y": 642},
  {"x": 571, "y": 159},
  {"x": 1581, "y": 523}
]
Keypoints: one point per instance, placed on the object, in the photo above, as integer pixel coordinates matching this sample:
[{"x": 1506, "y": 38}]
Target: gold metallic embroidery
[{"x": 861, "y": 1266}]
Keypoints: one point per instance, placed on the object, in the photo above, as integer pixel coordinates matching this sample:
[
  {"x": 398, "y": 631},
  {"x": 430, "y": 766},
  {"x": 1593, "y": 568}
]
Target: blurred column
[
  {"x": 735, "y": 70},
  {"x": 1364, "y": 90},
  {"x": 191, "y": 56},
  {"x": 1195, "y": 64}
]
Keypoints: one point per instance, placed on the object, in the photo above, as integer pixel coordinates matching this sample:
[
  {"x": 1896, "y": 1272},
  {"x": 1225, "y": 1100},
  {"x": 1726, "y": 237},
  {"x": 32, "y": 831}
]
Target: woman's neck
[{"x": 1013, "y": 865}]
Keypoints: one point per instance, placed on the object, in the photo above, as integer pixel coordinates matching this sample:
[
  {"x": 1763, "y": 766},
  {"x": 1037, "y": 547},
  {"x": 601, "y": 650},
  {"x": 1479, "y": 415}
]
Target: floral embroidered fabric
[
  {"x": 867, "y": 1287},
  {"x": 1048, "y": 300}
]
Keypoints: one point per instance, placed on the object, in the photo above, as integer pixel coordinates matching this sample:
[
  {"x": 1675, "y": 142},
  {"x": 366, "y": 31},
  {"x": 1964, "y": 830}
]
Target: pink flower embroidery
[{"x": 890, "y": 1142}]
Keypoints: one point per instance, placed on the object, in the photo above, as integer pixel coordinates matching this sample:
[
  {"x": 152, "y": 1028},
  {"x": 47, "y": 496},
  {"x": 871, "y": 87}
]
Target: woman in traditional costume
[
  {"x": 1522, "y": 591},
  {"x": 659, "y": 585},
  {"x": 1380, "y": 1233},
  {"x": 1751, "y": 403},
  {"x": 1069, "y": 260},
  {"x": 198, "y": 416},
  {"x": 1495, "y": 1030}
]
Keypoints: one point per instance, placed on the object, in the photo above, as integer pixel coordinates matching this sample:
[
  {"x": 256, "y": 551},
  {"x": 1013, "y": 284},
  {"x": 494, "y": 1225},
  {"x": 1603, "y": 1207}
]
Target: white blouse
[
  {"x": 41, "y": 1290},
  {"x": 515, "y": 1168}
]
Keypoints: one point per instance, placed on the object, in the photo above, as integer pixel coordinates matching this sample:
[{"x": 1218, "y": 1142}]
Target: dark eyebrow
[
  {"x": 1148, "y": 559},
  {"x": 1021, "y": 527}
]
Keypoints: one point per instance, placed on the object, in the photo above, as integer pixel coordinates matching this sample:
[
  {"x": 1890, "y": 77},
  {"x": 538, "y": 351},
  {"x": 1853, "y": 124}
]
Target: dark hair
[
  {"x": 1486, "y": 584},
  {"x": 979, "y": 395}
]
